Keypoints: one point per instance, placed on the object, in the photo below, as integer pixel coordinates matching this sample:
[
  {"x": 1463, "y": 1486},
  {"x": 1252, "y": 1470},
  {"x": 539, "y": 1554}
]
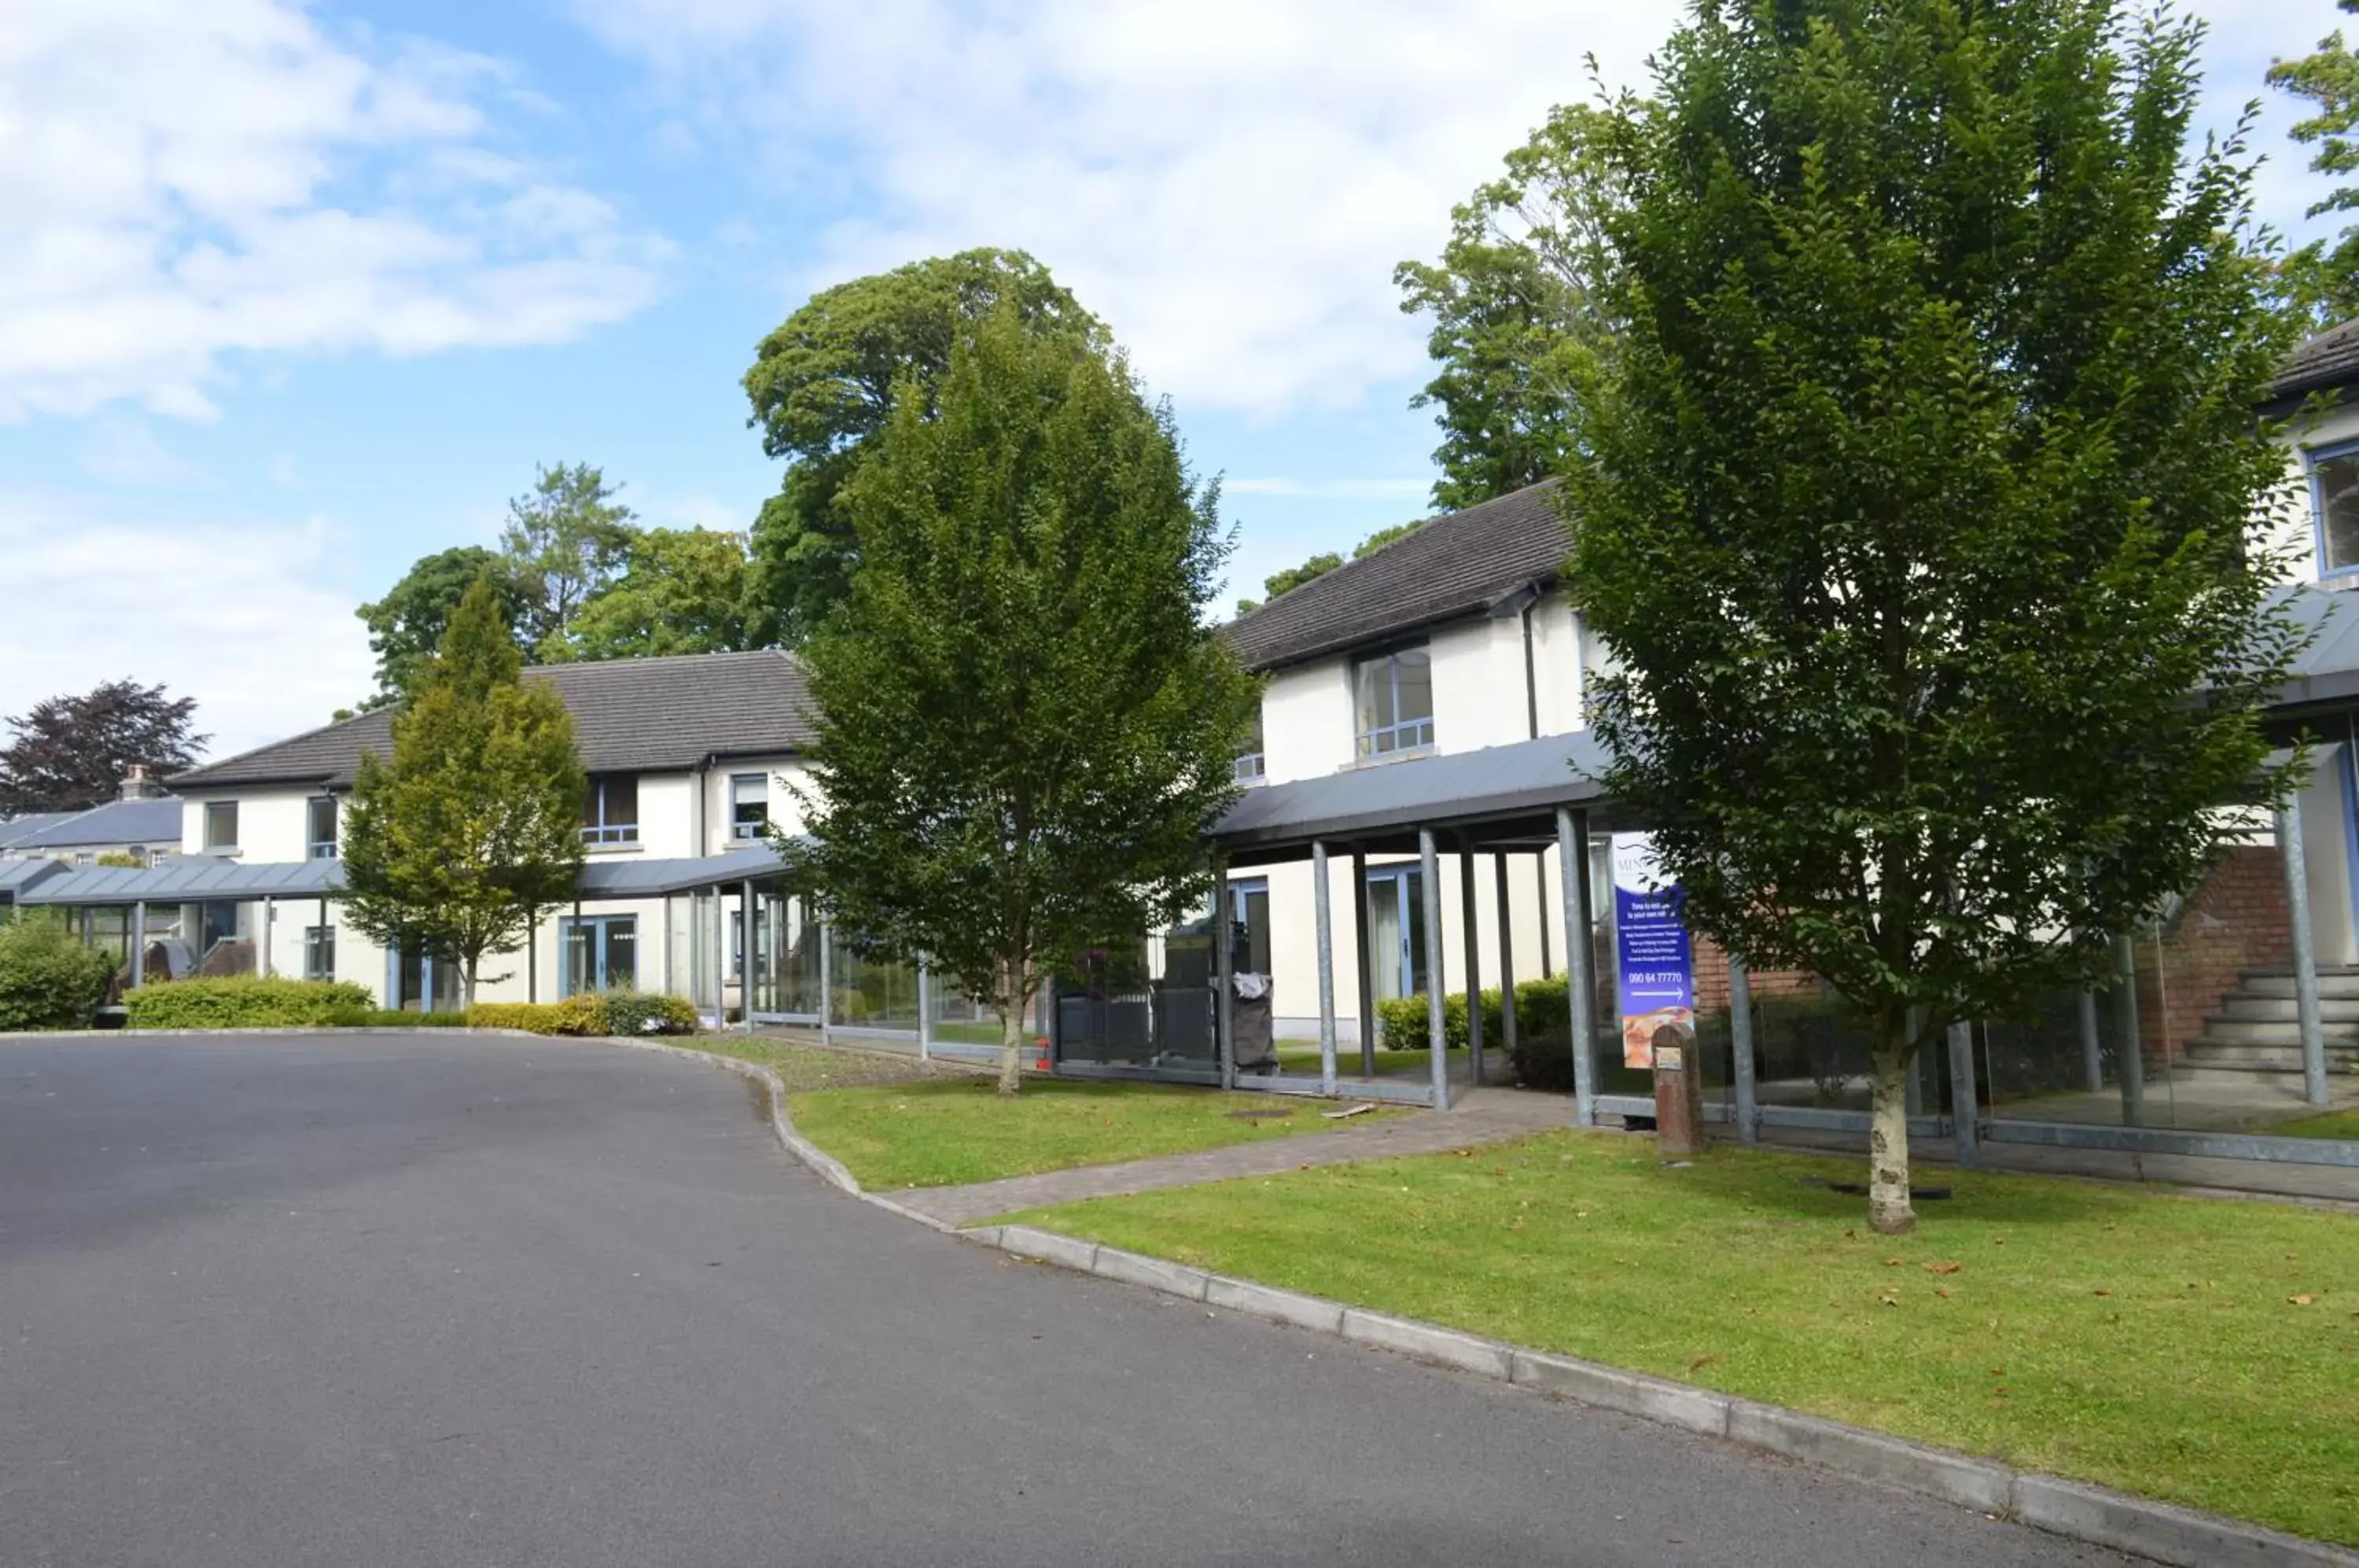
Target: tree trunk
[
  {"x": 1011, "y": 1030},
  {"x": 467, "y": 983},
  {"x": 1890, "y": 1211}
]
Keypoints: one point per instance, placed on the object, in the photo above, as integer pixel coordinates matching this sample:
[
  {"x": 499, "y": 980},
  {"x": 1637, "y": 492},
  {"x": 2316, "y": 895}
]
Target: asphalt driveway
[{"x": 422, "y": 1299}]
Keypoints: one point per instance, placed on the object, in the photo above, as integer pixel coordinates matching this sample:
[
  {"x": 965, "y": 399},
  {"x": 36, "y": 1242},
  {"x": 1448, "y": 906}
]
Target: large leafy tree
[
  {"x": 1024, "y": 722},
  {"x": 473, "y": 830},
  {"x": 682, "y": 591},
  {"x": 1518, "y": 307},
  {"x": 826, "y": 381},
  {"x": 69, "y": 753},
  {"x": 2324, "y": 276},
  {"x": 408, "y": 624},
  {"x": 1921, "y": 496},
  {"x": 566, "y": 540}
]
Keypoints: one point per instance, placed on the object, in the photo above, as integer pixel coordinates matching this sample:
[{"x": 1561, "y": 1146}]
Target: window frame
[
  {"x": 320, "y": 953},
  {"x": 739, "y": 829},
  {"x": 314, "y": 847},
  {"x": 1364, "y": 748},
  {"x": 2313, "y": 459},
  {"x": 1252, "y": 766},
  {"x": 214, "y": 843},
  {"x": 598, "y": 829}
]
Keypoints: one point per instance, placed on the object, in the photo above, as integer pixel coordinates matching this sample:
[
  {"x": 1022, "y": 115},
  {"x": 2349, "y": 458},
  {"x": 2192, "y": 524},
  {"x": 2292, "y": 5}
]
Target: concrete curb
[{"x": 2179, "y": 1536}]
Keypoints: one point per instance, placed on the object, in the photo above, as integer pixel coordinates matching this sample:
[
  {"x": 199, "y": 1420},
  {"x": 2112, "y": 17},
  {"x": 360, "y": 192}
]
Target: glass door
[
  {"x": 602, "y": 952},
  {"x": 1395, "y": 932}
]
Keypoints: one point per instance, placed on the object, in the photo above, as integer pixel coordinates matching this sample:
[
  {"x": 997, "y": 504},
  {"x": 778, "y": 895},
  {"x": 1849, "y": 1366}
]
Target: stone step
[
  {"x": 2273, "y": 1031},
  {"x": 2260, "y": 1009},
  {"x": 2336, "y": 983},
  {"x": 2243, "y": 1056}
]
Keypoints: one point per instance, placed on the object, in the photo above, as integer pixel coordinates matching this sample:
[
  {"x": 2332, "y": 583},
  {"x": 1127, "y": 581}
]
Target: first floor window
[
  {"x": 2334, "y": 493},
  {"x": 1394, "y": 697},
  {"x": 1251, "y": 765},
  {"x": 319, "y": 953},
  {"x": 320, "y": 818},
  {"x": 749, "y": 804},
  {"x": 610, "y": 812},
  {"x": 221, "y": 824}
]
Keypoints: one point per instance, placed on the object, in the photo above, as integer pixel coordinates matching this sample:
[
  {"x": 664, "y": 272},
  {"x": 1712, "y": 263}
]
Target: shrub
[
  {"x": 643, "y": 1012},
  {"x": 48, "y": 980},
  {"x": 246, "y": 1001},
  {"x": 584, "y": 1013}
]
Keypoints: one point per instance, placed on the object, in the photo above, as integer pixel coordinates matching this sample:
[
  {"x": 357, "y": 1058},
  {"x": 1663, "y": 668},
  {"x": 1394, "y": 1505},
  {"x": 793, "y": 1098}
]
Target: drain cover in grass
[{"x": 1257, "y": 1116}]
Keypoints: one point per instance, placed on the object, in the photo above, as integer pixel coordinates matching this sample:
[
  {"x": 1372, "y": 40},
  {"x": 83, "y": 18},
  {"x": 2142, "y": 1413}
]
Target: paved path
[
  {"x": 1486, "y": 1116},
  {"x": 489, "y": 1301}
]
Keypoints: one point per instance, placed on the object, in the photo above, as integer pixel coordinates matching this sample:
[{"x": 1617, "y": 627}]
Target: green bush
[
  {"x": 584, "y": 1013},
  {"x": 1543, "y": 1054},
  {"x": 644, "y": 1012},
  {"x": 393, "y": 1017},
  {"x": 247, "y": 1001},
  {"x": 48, "y": 980}
]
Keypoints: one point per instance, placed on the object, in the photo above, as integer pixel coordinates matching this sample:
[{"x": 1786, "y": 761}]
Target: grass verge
[
  {"x": 951, "y": 1131},
  {"x": 803, "y": 1068},
  {"x": 2200, "y": 1352},
  {"x": 2334, "y": 1124}
]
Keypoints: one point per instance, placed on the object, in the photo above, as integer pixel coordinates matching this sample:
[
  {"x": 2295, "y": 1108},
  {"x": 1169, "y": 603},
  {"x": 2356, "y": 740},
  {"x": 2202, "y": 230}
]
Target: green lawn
[
  {"x": 949, "y": 1131},
  {"x": 804, "y": 1067},
  {"x": 2195, "y": 1350},
  {"x": 1296, "y": 1059},
  {"x": 2334, "y": 1124}
]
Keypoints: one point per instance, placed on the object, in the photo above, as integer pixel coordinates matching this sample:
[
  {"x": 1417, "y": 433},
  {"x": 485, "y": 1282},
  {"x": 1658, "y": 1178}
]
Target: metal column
[
  {"x": 1467, "y": 905},
  {"x": 1739, "y": 1049},
  {"x": 2130, "y": 1060},
  {"x": 746, "y": 951},
  {"x": 926, "y": 1011},
  {"x": 1965, "y": 1116},
  {"x": 1437, "y": 1035},
  {"x": 720, "y": 957},
  {"x": 269, "y": 930},
  {"x": 1359, "y": 948},
  {"x": 2093, "y": 1055},
  {"x": 532, "y": 953},
  {"x": 826, "y": 981},
  {"x": 1224, "y": 1033},
  {"x": 1324, "y": 920},
  {"x": 1580, "y": 982},
  {"x": 1508, "y": 1028},
  {"x": 1540, "y": 892},
  {"x": 2305, "y": 957},
  {"x": 139, "y": 943}
]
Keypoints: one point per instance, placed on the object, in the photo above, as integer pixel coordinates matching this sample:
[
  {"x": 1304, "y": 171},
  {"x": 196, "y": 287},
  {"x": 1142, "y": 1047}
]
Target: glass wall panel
[
  {"x": 957, "y": 1018},
  {"x": 871, "y": 993}
]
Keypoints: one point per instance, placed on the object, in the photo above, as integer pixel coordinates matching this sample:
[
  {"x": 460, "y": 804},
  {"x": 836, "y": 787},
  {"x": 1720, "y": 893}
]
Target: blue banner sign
[{"x": 1654, "y": 964}]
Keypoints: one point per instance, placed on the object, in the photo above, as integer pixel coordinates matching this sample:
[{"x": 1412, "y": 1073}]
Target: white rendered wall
[{"x": 1306, "y": 724}]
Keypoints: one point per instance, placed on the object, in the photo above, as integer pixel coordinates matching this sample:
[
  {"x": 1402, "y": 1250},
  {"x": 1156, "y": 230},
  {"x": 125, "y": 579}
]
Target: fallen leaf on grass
[
  {"x": 1889, "y": 1300},
  {"x": 2101, "y": 1291},
  {"x": 2303, "y": 1300},
  {"x": 1944, "y": 1267},
  {"x": 1894, "y": 1262},
  {"x": 1708, "y": 1358},
  {"x": 1943, "y": 1291}
]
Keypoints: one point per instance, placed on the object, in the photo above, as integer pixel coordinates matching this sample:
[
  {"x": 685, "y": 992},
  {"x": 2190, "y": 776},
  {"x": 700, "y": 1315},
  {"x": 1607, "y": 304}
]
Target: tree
[
  {"x": 1319, "y": 565},
  {"x": 473, "y": 831},
  {"x": 1025, "y": 725},
  {"x": 824, "y": 383},
  {"x": 682, "y": 591},
  {"x": 564, "y": 540},
  {"x": 407, "y": 624},
  {"x": 1920, "y": 498},
  {"x": 1517, "y": 307},
  {"x": 69, "y": 753},
  {"x": 2323, "y": 278}
]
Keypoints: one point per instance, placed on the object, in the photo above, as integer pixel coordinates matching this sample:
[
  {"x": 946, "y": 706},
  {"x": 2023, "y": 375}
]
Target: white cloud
[
  {"x": 180, "y": 183},
  {"x": 123, "y": 449},
  {"x": 231, "y": 614},
  {"x": 1230, "y": 182}
]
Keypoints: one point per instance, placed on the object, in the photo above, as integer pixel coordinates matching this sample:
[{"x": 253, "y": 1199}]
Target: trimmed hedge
[
  {"x": 247, "y": 1001},
  {"x": 646, "y": 1012},
  {"x": 590, "y": 1013},
  {"x": 47, "y": 979}
]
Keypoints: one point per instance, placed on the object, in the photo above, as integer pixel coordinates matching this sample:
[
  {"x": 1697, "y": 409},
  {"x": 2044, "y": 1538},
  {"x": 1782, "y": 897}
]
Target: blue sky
[{"x": 291, "y": 295}]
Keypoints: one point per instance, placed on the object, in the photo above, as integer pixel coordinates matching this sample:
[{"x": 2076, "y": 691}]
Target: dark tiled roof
[
  {"x": 630, "y": 715},
  {"x": 1454, "y": 565},
  {"x": 16, "y": 830},
  {"x": 117, "y": 822},
  {"x": 2330, "y": 359}
]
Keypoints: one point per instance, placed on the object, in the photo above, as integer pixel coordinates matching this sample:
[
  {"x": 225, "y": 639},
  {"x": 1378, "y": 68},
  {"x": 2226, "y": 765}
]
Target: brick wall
[{"x": 2237, "y": 919}]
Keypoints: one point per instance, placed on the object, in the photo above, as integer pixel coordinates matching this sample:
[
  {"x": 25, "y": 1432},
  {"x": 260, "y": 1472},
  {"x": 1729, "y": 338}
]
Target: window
[
  {"x": 1251, "y": 766},
  {"x": 749, "y": 804},
  {"x": 1395, "y": 693},
  {"x": 321, "y": 831},
  {"x": 601, "y": 953},
  {"x": 1250, "y": 926},
  {"x": 319, "y": 953},
  {"x": 221, "y": 824},
  {"x": 84, "y": 858},
  {"x": 2335, "y": 497},
  {"x": 611, "y": 813}
]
